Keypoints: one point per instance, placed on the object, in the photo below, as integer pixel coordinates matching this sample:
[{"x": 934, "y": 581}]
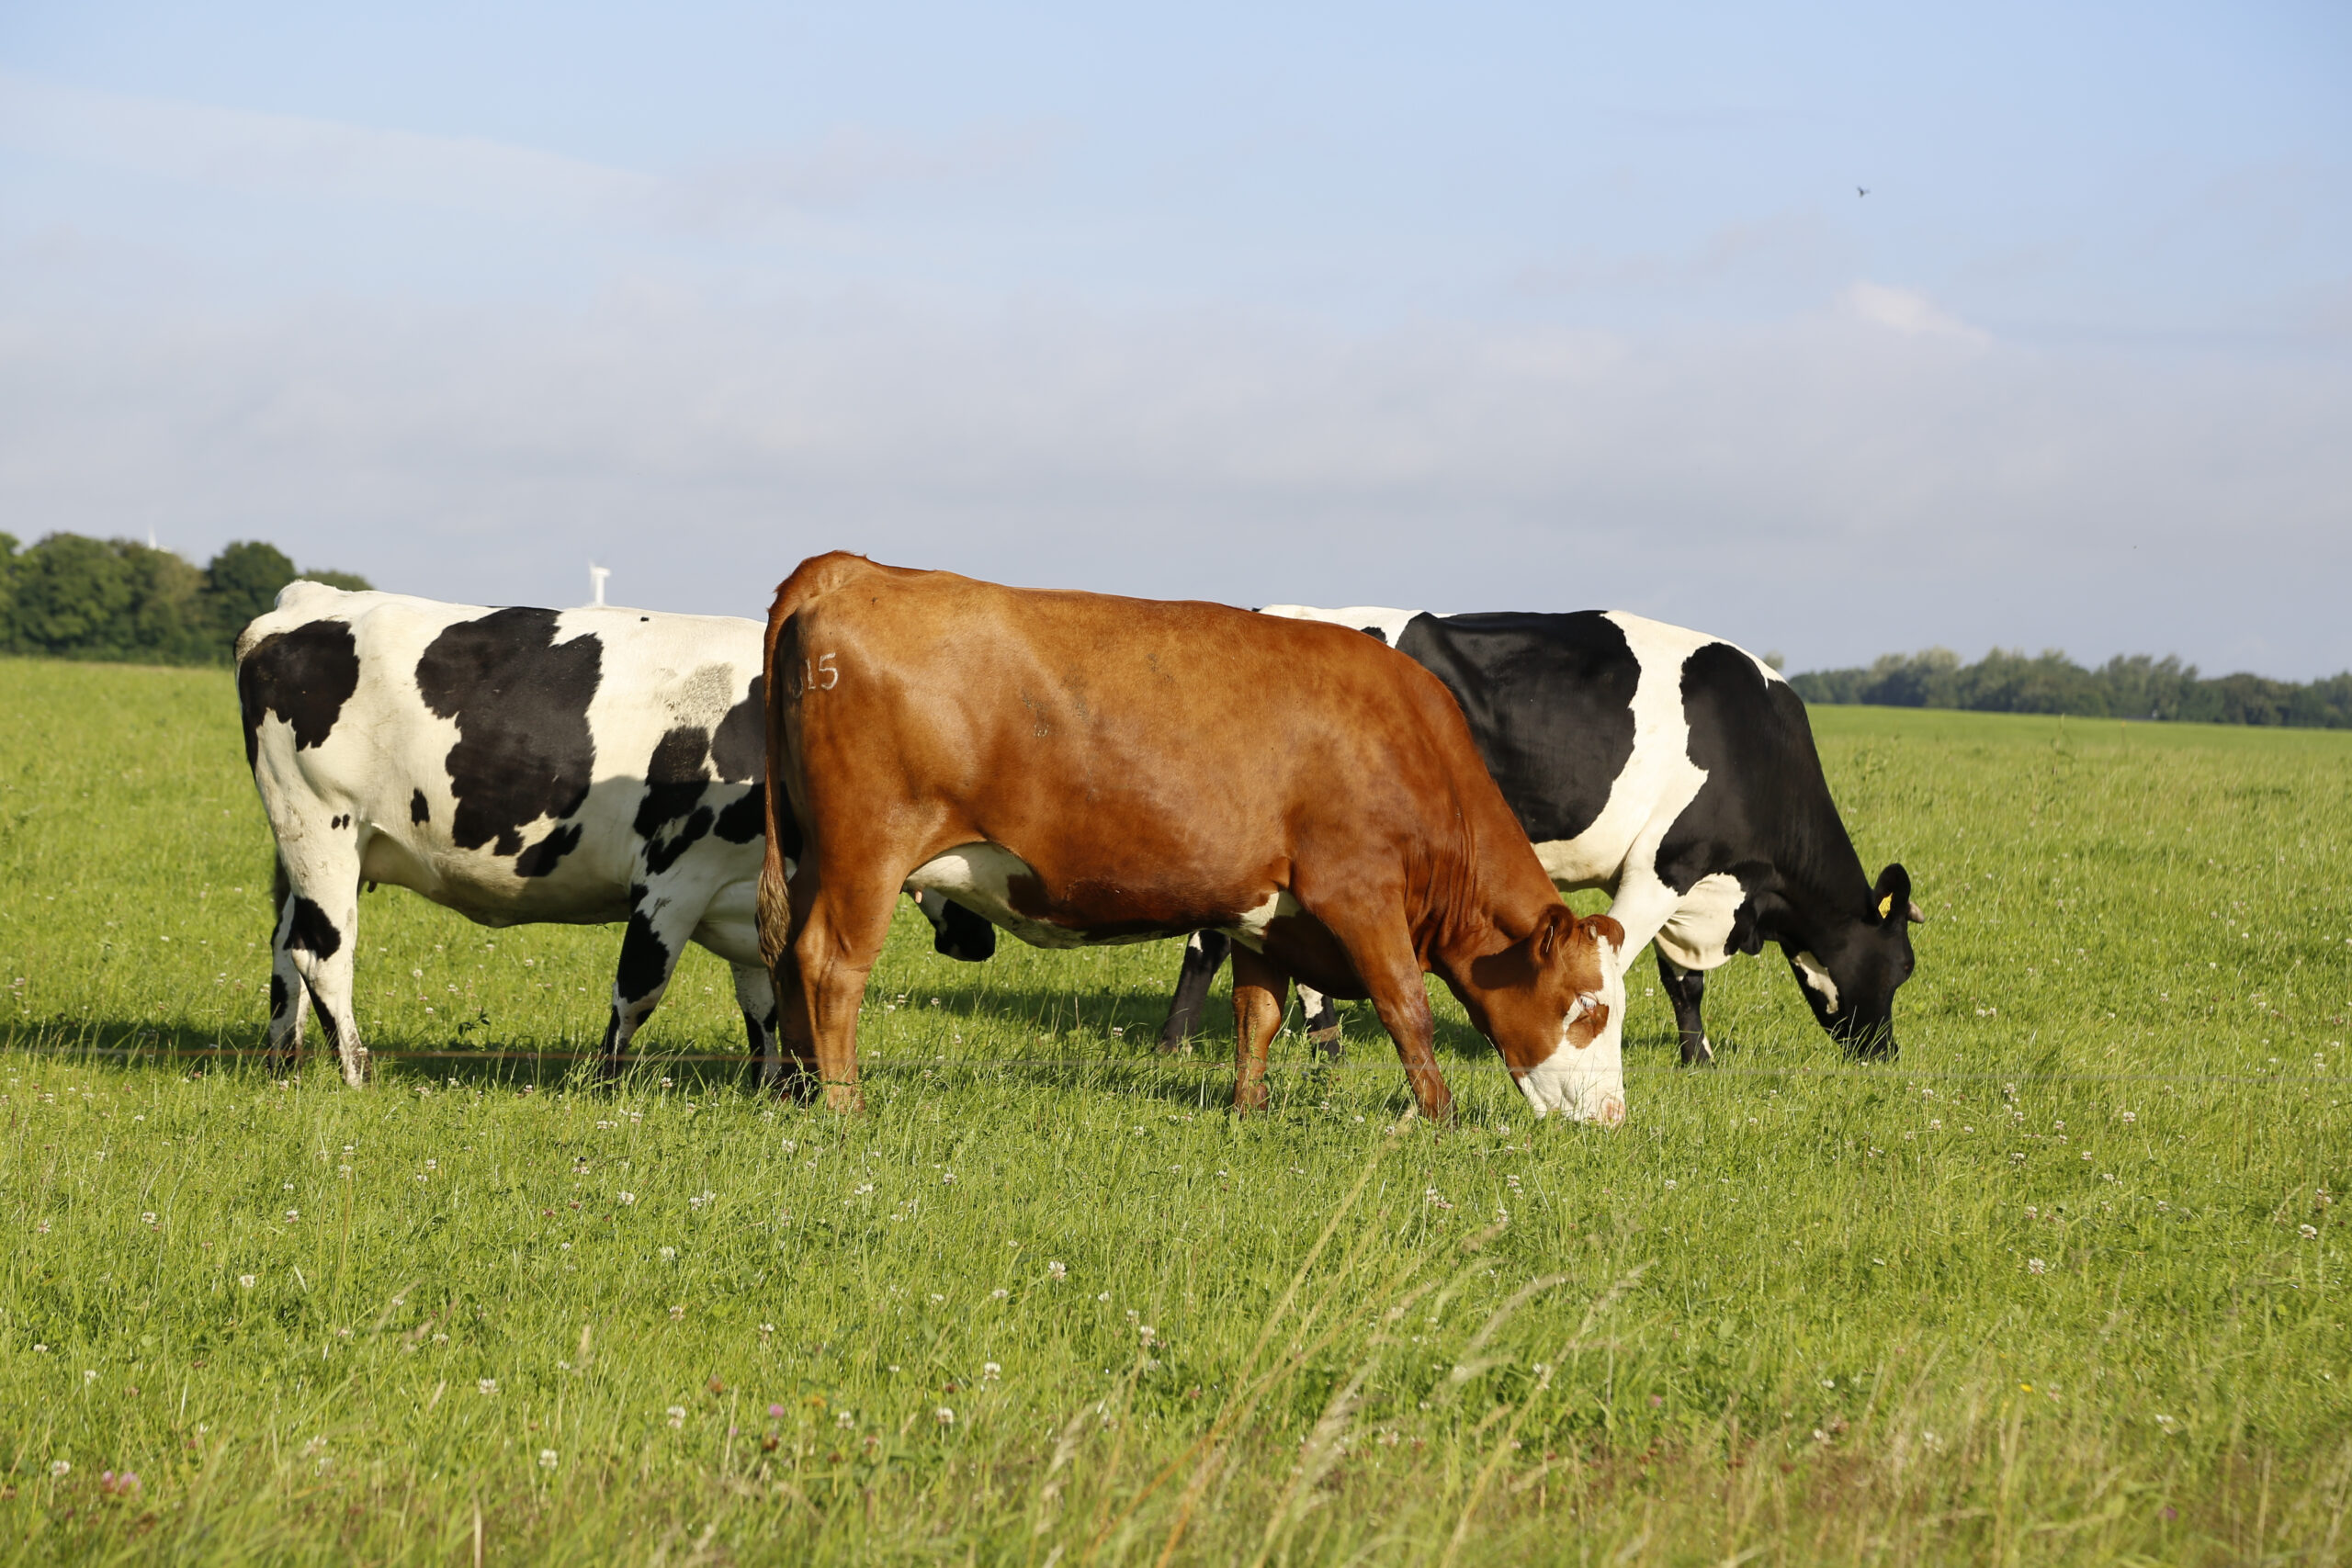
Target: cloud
[
  {"x": 291, "y": 155},
  {"x": 1797, "y": 485},
  {"x": 1907, "y": 313}
]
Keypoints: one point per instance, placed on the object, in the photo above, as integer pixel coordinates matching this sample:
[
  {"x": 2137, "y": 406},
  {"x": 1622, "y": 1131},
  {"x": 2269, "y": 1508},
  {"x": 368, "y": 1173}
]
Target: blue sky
[{"x": 1463, "y": 307}]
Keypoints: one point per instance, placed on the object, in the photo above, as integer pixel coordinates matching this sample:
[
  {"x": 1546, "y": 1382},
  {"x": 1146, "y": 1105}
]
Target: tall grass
[{"x": 2065, "y": 1283}]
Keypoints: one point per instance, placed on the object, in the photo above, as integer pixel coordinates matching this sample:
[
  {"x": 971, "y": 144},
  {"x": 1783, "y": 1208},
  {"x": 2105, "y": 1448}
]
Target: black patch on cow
[
  {"x": 739, "y": 749},
  {"x": 745, "y": 819},
  {"x": 418, "y": 811},
  {"x": 1550, "y": 701},
  {"x": 670, "y": 817},
  {"x": 304, "y": 676},
  {"x": 1375, "y": 632},
  {"x": 520, "y": 701},
  {"x": 311, "y": 931},
  {"x": 1765, "y": 813},
  {"x": 645, "y": 959},
  {"x": 963, "y": 935},
  {"x": 542, "y": 857},
  {"x": 280, "y": 999}
]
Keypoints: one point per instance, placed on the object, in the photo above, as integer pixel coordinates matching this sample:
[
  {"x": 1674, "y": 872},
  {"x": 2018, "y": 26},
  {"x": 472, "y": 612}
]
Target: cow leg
[
  {"x": 1261, "y": 993},
  {"x": 1686, "y": 988},
  {"x": 289, "y": 997},
  {"x": 836, "y": 936},
  {"x": 1203, "y": 951},
  {"x": 1322, "y": 1022},
  {"x": 318, "y": 940},
  {"x": 1382, "y": 955},
  {"x": 659, "y": 926},
  {"x": 755, "y": 994}
]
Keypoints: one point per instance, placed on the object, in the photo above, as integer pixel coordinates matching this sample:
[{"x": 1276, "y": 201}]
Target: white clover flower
[
  {"x": 60, "y": 1468},
  {"x": 248, "y": 1280},
  {"x": 944, "y": 1417},
  {"x": 846, "y": 1420},
  {"x": 2309, "y": 1232},
  {"x": 547, "y": 1458},
  {"x": 669, "y": 1254},
  {"x": 624, "y": 1198},
  {"x": 1056, "y": 1270},
  {"x": 2036, "y": 1266},
  {"x": 677, "y": 1417},
  {"x": 488, "y": 1385},
  {"x": 678, "y": 1313},
  {"x": 990, "y": 1372}
]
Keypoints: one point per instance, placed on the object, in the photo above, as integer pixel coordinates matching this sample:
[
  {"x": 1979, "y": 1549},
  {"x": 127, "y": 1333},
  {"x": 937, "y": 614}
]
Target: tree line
[
  {"x": 73, "y": 597},
  {"x": 2135, "y": 687}
]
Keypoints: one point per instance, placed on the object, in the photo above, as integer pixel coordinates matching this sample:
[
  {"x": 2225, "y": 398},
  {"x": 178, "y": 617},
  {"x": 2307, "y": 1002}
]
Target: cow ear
[
  {"x": 1914, "y": 914},
  {"x": 1559, "y": 923},
  {"x": 1892, "y": 896},
  {"x": 1602, "y": 929}
]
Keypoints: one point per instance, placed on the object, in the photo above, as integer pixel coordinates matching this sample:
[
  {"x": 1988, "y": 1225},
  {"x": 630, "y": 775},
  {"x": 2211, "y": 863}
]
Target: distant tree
[
  {"x": 8, "y": 593},
  {"x": 72, "y": 593},
  {"x": 73, "y": 597},
  {"x": 2006, "y": 681},
  {"x": 242, "y": 581},
  {"x": 349, "y": 581}
]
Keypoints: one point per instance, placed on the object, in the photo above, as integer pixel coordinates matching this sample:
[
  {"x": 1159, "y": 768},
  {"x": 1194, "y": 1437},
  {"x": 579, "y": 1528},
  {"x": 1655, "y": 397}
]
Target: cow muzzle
[{"x": 1587, "y": 1082}]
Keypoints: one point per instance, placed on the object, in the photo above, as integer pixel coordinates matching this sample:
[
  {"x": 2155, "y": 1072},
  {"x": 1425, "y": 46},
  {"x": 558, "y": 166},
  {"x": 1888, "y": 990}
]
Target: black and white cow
[
  {"x": 1679, "y": 773},
  {"x": 517, "y": 765}
]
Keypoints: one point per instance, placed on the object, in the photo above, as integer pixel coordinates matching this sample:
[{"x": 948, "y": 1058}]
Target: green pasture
[{"x": 2065, "y": 1283}]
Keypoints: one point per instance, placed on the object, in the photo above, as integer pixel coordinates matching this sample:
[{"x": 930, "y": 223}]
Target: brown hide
[{"x": 1160, "y": 768}]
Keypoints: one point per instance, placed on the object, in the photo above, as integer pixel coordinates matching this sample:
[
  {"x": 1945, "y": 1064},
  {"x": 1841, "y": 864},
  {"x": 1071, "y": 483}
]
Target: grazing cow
[
  {"x": 517, "y": 765},
  {"x": 1677, "y": 771},
  {"x": 1082, "y": 770}
]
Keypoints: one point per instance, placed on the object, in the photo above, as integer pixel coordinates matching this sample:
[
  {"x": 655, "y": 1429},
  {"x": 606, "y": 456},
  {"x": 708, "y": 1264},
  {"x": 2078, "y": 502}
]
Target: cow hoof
[
  {"x": 1612, "y": 1113},
  {"x": 844, "y": 1099}
]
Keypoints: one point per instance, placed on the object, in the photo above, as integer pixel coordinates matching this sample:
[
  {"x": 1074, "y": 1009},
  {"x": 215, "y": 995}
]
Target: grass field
[{"x": 2064, "y": 1284}]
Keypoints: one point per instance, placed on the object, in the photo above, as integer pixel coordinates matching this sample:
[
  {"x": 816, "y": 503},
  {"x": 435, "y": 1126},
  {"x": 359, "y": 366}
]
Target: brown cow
[{"x": 1082, "y": 769}]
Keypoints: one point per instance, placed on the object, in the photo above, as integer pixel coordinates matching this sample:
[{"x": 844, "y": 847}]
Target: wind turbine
[{"x": 596, "y": 575}]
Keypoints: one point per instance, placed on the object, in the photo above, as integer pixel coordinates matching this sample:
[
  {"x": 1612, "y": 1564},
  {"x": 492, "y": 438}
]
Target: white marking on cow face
[
  {"x": 1586, "y": 1083},
  {"x": 1251, "y": 931},
  {"x": 1817, "y": 980},
  {"x": 1695, "y": 936}
]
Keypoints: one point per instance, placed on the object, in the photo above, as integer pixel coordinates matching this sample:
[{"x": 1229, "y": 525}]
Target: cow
[
  {"x": 516, "y": 766},
  {"x": 1677, "y": 771},
  {"x": 1081, "y": 769}
]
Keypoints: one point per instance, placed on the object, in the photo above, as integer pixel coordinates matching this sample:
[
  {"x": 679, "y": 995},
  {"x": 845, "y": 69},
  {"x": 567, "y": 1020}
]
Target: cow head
[
  {"x": 1553, "y": 1003},
  {"x": 1849, "y": 970}
]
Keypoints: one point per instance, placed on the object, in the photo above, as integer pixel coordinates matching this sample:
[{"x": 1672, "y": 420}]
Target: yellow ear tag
[{"x": 1884, "y": 905}]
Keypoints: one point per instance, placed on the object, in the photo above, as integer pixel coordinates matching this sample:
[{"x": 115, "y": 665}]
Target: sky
[{"x": 1461, "y": 307}]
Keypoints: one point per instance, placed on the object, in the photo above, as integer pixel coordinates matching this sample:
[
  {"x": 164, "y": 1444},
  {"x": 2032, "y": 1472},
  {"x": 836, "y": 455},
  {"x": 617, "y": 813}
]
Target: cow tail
[{"x": 781, "y": 656}]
